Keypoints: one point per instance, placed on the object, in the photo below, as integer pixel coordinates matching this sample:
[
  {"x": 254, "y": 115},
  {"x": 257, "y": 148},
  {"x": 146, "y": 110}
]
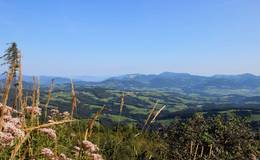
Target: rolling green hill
[{"x": 138, "y": 103}]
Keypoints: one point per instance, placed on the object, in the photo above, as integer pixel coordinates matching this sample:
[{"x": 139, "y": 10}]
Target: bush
[{"x": 216, "y": 137}]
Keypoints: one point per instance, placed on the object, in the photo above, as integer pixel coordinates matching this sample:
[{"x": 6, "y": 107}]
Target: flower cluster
[
  {"x": 55, "y": 115},
  {"x": 90, "y": 149},
  {"x": 12, "y": 128},
  {"x": 33, "y": 110},
  {"x": 6, "y": 139},
  {"x": 66, "y": 115},
  {"x": 50, "y": 133},
  {"x": 51, "y": 121},
  {"x": 8, "y": 110},
  {"x": 47, "y": 153},
  {"x": 63, "y": 157},
  {"x": 54, "y": 112}
]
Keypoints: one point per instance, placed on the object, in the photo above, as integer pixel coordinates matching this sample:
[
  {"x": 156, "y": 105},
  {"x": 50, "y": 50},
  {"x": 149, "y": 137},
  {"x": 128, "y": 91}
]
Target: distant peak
[
  {"x": 235, "y": 75},
  {"x": 173, "y": 73},
  {"x": 248, "y": 75}
]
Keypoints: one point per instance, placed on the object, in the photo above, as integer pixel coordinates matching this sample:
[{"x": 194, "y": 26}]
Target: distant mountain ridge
[
  {"x": 181, "y": 82},
  {"x": 44, "y": 80},
  {"x": 185, "y": 82}
]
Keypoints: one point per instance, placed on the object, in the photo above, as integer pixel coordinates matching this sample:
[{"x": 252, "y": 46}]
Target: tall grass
[
  {"x": 48, "y": 98},
  {"x": 73, "y": 100},
  {"x": 35, "y": 141}
]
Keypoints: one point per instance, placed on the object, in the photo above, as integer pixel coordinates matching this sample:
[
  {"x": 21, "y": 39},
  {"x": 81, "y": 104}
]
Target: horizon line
[{"x": 125, "y": 74}]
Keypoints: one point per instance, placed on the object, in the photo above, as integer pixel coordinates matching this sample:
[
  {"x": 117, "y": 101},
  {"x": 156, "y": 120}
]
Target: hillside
[
  {"x": 184, "y": 83},
  {"x": 244, "y": 84},
  {"x": 184, "y": 95},
  {"x": 138, "y": 103}
]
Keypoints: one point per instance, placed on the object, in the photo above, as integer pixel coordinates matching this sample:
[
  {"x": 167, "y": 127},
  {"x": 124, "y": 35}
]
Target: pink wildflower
[
  {"x": 7, "y": 117},
  {"x": 91, "y": 150},
  {"x": 6, "y": 139},
  {"x": 54, "y": 112},
  {"x": 10, "y": 127},
  {"x": 50, "y": 132},
  {"x": 47, "y": 153},
  {"x": 63, "y": 157},
  {"x": 51, "y": 121},
  {"x": 16, "y": 122},
  {"x": 66, "y": 115},
  {"x": 76, "y": 148},
  {"x": 96, "y": 156},
  {"x": 33, "y": 110},
  {"x": 89, "y": 147}
]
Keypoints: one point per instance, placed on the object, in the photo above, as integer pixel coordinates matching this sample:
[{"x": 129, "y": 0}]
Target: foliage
[
  {"x": 12, "y": 58},
  {"x": 218, "y": 137}
]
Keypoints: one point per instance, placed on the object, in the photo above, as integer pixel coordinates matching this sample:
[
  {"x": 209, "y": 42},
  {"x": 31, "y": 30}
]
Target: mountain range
[
  {"x": 180, "y": 82},
  {"x": 185, "y": 82}
]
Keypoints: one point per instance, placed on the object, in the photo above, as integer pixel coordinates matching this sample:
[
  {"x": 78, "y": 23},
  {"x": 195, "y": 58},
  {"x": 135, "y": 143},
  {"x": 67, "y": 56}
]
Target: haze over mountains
[
  {"x": 179, "y": 82},
  {"x": 58, "y": 79}
]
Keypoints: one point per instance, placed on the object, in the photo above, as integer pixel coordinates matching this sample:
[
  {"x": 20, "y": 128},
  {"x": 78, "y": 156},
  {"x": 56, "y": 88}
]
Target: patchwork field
[{"x": 138, "y": 103}]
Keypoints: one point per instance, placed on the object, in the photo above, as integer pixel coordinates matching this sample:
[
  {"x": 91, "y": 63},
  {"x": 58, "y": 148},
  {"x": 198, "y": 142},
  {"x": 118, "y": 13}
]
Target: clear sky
[{"x": 111, "y": 37}]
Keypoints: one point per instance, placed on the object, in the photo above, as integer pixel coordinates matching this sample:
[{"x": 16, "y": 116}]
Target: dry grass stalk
[
  {"x": 18, "y": 146},
  {"x": 74, "y": 99},
  {"x": 38, "y": 93},
  {"x": 5, "y": 96},
  {"x": 122, "y": 103},
  {"x": 49, "y": 98},
  {"x": 191, "y": 146},
  {"x": 7, "y": 88},
  {"x": 34, "y": 92},
  {"x": 30, "y": 152},
  {"x": 88, "y": 132},
  {"x": 20, "y": 87},
  {"x": 196, "y": 151},
  {"x": 9, "y": 79},
  {"x": 149, "y": 116},
  {"x": 210, "y": 150},
  {"x": 21, "y": 100},
  {"x": 15, "y": 96},
  {"x": 24, "y": 154},
  {"x": 38, "y": 98},
  {"x": 1, "y": 86},
  {"x": 156, "y": 115},
  {"x": 34, "y": 95},
  {"x": 18, "y": 83},
  {"x": 48, "y": 125},
  {"x": 202, "y": 150},
  {"x": 23, "y": 106}
]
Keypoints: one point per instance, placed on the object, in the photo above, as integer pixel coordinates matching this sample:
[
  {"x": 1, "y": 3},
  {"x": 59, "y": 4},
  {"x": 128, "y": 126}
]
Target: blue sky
[{"x": 111, "y": 37}]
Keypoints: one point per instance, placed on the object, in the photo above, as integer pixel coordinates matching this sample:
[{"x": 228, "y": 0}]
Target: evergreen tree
[{"x": 11, "y": 58}]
